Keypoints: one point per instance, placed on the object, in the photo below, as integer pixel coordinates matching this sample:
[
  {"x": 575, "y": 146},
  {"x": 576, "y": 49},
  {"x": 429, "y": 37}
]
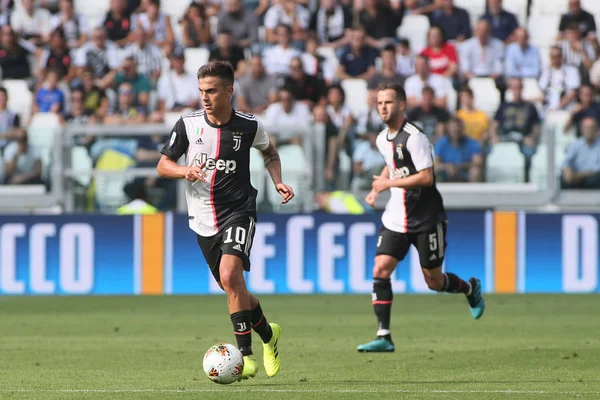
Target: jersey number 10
[{"x": 240, "y": 235}]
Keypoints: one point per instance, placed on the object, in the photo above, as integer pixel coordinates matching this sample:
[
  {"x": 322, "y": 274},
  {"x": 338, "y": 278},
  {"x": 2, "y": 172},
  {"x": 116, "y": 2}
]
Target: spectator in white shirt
[
  {"x": 332, "y": 23},
  {"x": 177, "y": 89},
  {"x": 290, "y": 14},
  {"x": 30, "y": 22},
  {"x": 156, "y": 24},
  {"x": 74, "y": 25},
  {"x": 283, "y": 118},
  {"x": 100, "y": 54},
  {"x": 147, "y": 55},
  {"x": 405, "y": 58},
  {"x": 559, "y": 82},
  {"x": 315, "y": 64},
  {"x": 277, "y": 58},
  {"x": 423, "y": 77},
  {"x": 577, "y": 52},
  {"x": 482, "y": 55}
]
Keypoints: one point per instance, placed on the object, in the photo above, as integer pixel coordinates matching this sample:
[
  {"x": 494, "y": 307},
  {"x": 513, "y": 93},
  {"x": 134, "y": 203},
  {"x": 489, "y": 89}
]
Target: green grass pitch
[{"x": 524, "y": 347}]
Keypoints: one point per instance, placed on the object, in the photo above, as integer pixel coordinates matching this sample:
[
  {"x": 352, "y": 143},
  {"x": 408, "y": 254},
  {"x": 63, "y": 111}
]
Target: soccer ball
[{"x": 223, "y": 363}]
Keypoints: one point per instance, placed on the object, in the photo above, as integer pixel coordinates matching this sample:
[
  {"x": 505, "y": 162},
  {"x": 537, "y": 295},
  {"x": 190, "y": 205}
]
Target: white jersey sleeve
[
  {"x": 261, "y": 139},
  {"x": 420, "y": 150}
]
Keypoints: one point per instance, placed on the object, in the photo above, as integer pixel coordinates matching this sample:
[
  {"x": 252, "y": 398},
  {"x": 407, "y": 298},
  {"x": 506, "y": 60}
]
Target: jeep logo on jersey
[
  {"x": 402, "y": 172},
  {"x": 220, "y": 165}
]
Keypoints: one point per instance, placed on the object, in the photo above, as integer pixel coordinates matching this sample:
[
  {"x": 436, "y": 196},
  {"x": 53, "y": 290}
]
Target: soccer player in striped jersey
[
  {"x": 221, "y": 201},
  {"x": 414, "y": 215}
]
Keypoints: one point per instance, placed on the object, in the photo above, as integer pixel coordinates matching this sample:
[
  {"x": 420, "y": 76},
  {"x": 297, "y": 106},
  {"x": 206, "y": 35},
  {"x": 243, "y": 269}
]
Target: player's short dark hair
[
  {"x": 155, "y": 3},
  {"x": 424, "y": 57},
  {"x": 3, "y": 90},
  {"x": 396, "y": 87},
  {"x": 217, "y": 69}
]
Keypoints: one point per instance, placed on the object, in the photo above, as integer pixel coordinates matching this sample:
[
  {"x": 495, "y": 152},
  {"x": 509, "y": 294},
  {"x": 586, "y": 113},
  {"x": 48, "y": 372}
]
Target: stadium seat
[
  {"x": 549, "y": 7},
  {"x": 42, "y": 128},
  {"x": 194, "y": 59},
  {"x": 543, "y": 29},
  {"x": 487, "y": 96},
  {"x": 41, "y": 133},
  {"x": 19, "y": 98},
  {"x": 414, "y": 28},
  {"x": 81, "y": 161},
  {"x": 475, "y": 8},
  {"x": 539, "y": 165},
  {"x": 356, "y": 95},
  {"x": 258, "y": 174},
  {"x": 591, "y": 6},
  {"x": 94, "y": 8},
  {"x": 554, "y": 125},
  {"x": 174, "y": 8},
  {"x": 294, "y": 172},
  {"x": 505, "y": 164},
  {"x": 531, "y": 90},
  {"x": 452, "y": 99},
  {"x": 519, "y": 8}
]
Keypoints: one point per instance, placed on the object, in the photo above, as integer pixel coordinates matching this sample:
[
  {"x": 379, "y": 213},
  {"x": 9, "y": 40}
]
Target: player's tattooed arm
[{"x": 273, "y": 165}]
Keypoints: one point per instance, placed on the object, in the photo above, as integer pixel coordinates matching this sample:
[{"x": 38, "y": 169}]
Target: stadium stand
[{"x": 544, "y": 19}]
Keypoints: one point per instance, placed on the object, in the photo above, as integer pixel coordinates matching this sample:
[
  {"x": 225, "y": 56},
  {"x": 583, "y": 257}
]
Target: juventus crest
[
  {"x": 399, "y": 151},
  {"x": 237, "y": 142}
]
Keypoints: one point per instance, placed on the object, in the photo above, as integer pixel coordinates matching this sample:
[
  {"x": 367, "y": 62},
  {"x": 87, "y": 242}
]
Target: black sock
[
  {"x": 242, "y": 327},
  {"x": 456, "y": 285},
  {"x": 260, "y": 324},
  {"x": 382, "y": 304}
]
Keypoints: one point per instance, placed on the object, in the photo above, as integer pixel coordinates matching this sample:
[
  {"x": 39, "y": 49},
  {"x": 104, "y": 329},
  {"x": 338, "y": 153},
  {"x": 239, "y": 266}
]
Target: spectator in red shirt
[{"x": 443, "y": 59}]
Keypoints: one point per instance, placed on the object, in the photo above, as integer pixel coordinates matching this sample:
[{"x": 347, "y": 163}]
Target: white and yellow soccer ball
[{"x": 223, "y": 363}]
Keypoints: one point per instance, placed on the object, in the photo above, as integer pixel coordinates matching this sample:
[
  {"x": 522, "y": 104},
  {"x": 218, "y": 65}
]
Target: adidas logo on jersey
[
  {"x": 432, "y": 257},
  {"x": 199, "y": 141},
  {"x": 237, "y": 247}
]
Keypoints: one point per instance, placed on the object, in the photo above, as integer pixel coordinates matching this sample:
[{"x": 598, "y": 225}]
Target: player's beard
[{"x": 392, "y": 118}]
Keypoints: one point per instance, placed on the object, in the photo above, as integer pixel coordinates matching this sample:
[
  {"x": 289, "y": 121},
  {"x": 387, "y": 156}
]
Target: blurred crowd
[{"x": 294, "y": 60}]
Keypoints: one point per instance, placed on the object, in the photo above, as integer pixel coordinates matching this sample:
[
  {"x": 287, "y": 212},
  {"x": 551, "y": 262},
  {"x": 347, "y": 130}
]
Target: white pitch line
[{"x": 258, "y": 390}]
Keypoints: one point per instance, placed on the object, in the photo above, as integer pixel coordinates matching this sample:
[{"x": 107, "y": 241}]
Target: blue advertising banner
[
  {"x": 66, "y": 255},
  {"x": 511, "y": 252}
]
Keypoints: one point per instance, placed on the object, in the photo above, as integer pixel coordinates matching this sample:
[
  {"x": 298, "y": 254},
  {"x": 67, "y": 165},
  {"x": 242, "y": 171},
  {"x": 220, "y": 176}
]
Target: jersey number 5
[
  {"x": 240, "y": 235},
  {"x": 433, "y": 243}
]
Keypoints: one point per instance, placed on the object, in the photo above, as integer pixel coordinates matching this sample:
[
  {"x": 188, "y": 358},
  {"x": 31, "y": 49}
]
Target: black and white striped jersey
[
  {"x": 407, "y": 152},
  {"x": 228, "y": 193}
]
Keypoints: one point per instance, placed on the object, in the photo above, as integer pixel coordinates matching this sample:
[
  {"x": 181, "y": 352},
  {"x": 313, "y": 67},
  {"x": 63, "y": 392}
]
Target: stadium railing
[{"x": 59, "y": 196}]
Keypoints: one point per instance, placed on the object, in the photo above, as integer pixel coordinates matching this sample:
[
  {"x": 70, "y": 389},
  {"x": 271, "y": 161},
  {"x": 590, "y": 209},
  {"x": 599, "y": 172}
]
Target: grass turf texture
[{"x": 524, "y": 347}]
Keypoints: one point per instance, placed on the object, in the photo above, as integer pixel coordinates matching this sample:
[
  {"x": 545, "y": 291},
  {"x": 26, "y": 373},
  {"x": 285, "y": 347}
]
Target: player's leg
[
  {"x": 391, "y": 249},
  {"x": 231, "y": 273},
  {"x": 431, "y": 246},
  {"x": 270, "y": 333}
]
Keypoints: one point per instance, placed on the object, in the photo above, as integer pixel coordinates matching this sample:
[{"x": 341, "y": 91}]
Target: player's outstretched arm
[
  {"x": 273, "y": 165},
  {"x": 167, "y": 168}
]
